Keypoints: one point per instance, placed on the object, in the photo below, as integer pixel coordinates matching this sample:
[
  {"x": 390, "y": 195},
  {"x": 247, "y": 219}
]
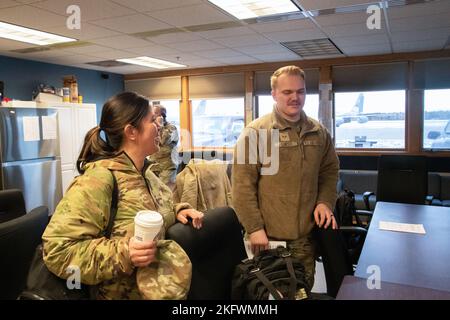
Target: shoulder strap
[{"x": 113, "y": 211}]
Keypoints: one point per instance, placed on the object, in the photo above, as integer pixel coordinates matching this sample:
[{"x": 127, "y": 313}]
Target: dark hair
[
  {"x": 120, "y": 110},
  {"x": 163, "y": 112}
]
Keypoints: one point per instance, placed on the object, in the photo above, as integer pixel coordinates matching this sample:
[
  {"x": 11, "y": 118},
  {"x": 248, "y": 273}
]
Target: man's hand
[
  {"x": 323, "y": 214},
  {"x": 196, "y": 216},
  {"x": 259, "y": 241}
]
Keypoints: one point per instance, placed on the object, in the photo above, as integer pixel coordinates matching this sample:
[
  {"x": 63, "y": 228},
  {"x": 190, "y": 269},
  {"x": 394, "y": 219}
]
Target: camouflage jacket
[
  {"x": 74, "y": 234},
  {"x": 167, "y": 156}
]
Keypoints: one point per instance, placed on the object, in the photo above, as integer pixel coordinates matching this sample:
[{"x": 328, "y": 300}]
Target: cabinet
[{"x": 74, "y": 121}]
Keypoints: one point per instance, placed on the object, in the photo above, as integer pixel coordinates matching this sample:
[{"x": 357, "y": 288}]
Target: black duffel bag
[{"x": 272, "y": 274}]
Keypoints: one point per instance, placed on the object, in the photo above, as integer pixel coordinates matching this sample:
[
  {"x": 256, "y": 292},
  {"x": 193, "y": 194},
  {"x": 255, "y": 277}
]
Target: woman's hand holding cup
[{"x": 142, "y": 253}]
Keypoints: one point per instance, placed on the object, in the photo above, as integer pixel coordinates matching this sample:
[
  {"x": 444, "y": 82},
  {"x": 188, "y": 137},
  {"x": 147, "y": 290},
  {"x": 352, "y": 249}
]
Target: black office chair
[
  {"x": 18, "y": 240},
  {"x": 335, "y": 256},
  {"x": 402, "y": 179},
  {"x": 12, "y": 204},
  {"x": 214, "y": 250}
]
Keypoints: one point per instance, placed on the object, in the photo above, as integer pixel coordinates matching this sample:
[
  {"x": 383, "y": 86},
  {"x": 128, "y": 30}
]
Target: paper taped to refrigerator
[{"x": 31, "y": 129}]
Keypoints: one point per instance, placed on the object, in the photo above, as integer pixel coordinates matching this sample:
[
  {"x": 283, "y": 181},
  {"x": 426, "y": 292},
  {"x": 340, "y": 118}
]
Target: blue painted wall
[{"x": 21, "y": 77}]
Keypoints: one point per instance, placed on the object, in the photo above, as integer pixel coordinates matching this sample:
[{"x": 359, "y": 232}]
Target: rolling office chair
[
  {"x": 12, "y": 204},
  {"x": 402, "y": 179},
  {"x": 335, "y": 256},
  {"x": 214, "y": 250},
  {"x": 18, "y": 240}
]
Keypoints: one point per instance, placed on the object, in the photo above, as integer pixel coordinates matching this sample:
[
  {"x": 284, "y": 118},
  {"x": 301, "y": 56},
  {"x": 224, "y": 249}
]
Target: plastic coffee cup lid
[{"x": 148, "y": 218}]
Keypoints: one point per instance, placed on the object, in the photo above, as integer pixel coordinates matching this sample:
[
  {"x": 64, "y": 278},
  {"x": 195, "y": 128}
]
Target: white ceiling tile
[
  {"x": 366, "y": 50},
  {"x": 238, "y": 60},
  {"x": 177, "y": 57},
  {"x": 48, "y": 54},
  {"x": 361, "y": 40},
  {"x": 329, "y": 4},
  {"x": 6, "y": 45},
  {"x": 151, "y": 50},
  {"x": 227, "y": 32},
  {"x": 79, "y": 58},
  {"x": 87, "y": 32},
  {"x": 154, "y": 5},
  {"x": 296, "y": 35},
  {"x": 203, "y": 63},
  {"x": 419, "y": 10},
  {"x": 420, "y": 22},
  {"x": 344, "y": 30},
  {"x": 218, "y": 53},
  {"x": 175, "y": 37},
  {"x": 112, "y": 55},
  {"x": 425, "y": 45},
  {"x": 195, "y": 45},
  {"x": 132, "y": 23},
  {"x": 30, "y": 17},
  {"x": 8, "y": 3},
  {"x": 342, "y": 18},
  {"x": 282, "y": 26},
  {"x": 263, "y": 49},
  {"x": 87, "y": 49},
  {"x": 121, "y": 42},
  {"x": 419, "y": 35},
  {"x": 243, "y": 40},
  {"x": 130, "y": 69},
  {"x": 191, "y": 15},
  {"x": 90, "y": 10},
  {"x": 270, "y": 57}
]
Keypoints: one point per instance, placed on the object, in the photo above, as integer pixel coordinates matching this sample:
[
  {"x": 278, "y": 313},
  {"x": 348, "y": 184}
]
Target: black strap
[
  {"x": 113, "y": 211},
  {"x": 293, "y": 280},
  {"x": 276, "y": 295}
]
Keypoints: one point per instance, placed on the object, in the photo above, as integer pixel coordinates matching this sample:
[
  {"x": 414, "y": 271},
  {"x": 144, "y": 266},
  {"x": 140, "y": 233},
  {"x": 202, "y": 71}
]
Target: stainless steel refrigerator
[{"x": 29, "y": 155}]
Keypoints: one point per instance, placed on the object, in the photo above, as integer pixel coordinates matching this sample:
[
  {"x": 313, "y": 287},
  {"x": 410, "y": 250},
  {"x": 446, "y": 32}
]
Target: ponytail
[
  {"x": 120, "y": 110},
  {"x": 94, "y": 147}
]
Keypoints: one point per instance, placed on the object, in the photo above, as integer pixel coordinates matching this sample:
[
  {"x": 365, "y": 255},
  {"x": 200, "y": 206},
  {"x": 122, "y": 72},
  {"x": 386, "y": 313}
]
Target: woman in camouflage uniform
[
  {"x": 73, "y": 236},
  {"x": 165, "y": 161}
]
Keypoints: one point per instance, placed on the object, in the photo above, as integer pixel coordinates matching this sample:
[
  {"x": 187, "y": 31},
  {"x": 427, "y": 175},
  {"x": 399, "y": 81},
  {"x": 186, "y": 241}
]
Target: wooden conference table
[{"x": 419, "y": 260}]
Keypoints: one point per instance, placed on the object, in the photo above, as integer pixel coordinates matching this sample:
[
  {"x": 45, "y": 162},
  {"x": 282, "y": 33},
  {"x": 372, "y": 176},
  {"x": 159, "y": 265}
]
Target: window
[
  {"x": 265, "y": 105},
  {"x": 436, "y": 126},
  {"x": 217, "y": 122},
  {"x": 173, "y": 111},
  {"x": 374, "y": 119}
]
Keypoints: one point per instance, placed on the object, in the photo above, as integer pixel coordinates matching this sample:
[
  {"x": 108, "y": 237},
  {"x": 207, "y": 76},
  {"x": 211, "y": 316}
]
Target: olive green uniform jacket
[
  {"x": 74, "y": 234},
  {"x": 283, "y": 203}
]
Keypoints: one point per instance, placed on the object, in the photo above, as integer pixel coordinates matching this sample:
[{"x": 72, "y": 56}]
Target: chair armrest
[
  {"x": 364, "y": 213},
  {"x": 353, "y": 229},
  {"x": 366, "y": 196}
]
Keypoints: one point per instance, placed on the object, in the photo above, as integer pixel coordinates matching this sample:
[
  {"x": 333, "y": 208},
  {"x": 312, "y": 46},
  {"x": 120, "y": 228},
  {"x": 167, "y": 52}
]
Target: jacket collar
[{"x": 305, "y": 123}]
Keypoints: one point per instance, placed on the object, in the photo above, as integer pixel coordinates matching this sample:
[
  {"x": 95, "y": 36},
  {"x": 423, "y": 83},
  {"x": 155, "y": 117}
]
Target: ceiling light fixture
[
  {"x": 18, "y": 33},
  {"x": 151, "y": 62},
  {"x": 245, "y": 9}
]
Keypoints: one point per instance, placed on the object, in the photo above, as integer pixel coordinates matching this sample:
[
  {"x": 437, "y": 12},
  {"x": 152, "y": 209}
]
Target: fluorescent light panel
[
  {"x": 151, "y": 62},
  {"x": 245, "y": 9},
  {"x": 17, "y": 33}
]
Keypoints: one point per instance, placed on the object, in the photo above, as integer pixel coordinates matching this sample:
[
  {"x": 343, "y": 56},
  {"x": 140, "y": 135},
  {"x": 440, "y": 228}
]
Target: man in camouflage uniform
[
  {"x": 165, "y": 161},
  {"x": 74, "y": 234}
]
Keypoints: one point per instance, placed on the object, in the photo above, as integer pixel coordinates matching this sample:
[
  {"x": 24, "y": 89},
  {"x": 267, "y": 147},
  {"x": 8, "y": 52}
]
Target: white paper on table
[
  {"x": 49, "y": 128},
  {"x": 401, "y": 227},
  {"x": 31, "y": 129},
  {"x": 272, "y": 245}
]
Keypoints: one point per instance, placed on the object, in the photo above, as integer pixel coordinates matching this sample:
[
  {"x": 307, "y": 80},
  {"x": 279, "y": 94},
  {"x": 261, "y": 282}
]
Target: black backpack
[
  {"x": 272, "y": 272},
  {"x": 42, "y": 284},
  {"x": 345, "y": 210}
]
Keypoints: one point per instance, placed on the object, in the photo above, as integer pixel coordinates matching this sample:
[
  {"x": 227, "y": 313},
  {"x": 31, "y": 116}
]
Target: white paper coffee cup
[{"x": 147, "y": 225}]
